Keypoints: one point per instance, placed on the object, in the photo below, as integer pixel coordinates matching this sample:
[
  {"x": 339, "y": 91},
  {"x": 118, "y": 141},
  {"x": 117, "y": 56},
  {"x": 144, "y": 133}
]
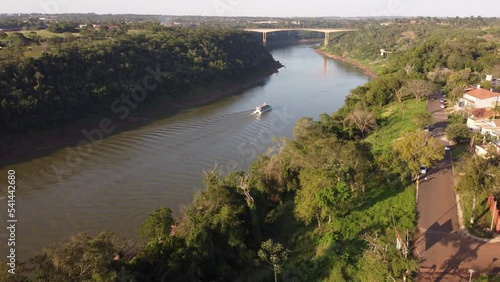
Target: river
[{"x": 130, "y": 174}]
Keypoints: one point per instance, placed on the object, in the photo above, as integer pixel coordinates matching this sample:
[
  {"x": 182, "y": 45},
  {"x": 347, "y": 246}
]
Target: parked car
[
  {"x": 442, "y": 106},
  {"x": 427, "y": 128},
  {"x": 423, "y": 169},
  {"x": 447, "y": 148}
]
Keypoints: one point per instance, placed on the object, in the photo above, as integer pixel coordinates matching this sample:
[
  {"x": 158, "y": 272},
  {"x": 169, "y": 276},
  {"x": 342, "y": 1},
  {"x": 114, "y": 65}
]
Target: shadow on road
[
  {"x": 440, "y": 168},
  {"x": 436, "y": 232},
  {"x": 434, "y": 235},
  {"x": 433, "y": 275},
  {"x": 459, "y": 252},
  {"x": 440, "y": 124},
  {"x": 467, "y": 252}
]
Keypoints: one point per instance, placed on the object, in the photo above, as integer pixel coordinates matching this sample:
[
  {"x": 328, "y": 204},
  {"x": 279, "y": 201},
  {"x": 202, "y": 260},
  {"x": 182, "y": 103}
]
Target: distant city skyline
[{"x": 261, "y": 8}]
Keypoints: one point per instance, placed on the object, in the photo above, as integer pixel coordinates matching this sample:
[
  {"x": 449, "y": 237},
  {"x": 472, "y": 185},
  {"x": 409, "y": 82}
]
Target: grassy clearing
[
  {"x": 138, "y": 31},
  {"x": 395, "y": 119},
  {"x": 34, "y": 52},
  {"x": 331, "y": 253},
  {"x": 47, "y": 34},
  {"x": 375, "y": 66},
  {"x": 389, "y": 207},
  {"x": 44, "y": 33},
  {"x": 336, "y": 253}
]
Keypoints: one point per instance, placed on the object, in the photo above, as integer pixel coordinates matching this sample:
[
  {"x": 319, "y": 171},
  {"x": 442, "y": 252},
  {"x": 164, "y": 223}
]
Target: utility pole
[{"x": 494, "y": 214}]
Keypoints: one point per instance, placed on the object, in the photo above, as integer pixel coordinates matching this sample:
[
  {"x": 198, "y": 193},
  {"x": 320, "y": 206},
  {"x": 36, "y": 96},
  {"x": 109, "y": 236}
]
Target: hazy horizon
[{"x": 259, "y": 8}]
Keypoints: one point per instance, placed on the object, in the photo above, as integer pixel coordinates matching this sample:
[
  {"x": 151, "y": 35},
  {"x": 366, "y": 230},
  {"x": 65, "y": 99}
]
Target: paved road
[{"x": 446, "y": 255}]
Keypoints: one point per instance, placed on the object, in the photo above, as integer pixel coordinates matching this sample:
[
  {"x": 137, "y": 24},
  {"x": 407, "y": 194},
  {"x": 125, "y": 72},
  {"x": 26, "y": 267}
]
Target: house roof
[
  {"x": 486, "y": 113},
  {"x": 487, "y": 123},
  {"x": 481, "y": 93}
]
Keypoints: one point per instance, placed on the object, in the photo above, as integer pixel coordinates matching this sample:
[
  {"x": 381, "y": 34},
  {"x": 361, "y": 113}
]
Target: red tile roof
[
  {"x": 481, "y": 93},
  {"x": 483, "y": 113}
]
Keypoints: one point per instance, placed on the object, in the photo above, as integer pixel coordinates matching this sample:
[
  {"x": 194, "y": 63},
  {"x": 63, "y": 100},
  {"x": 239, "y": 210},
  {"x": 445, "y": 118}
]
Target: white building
[
  {"x": 475, "y": 124},
  {"x": 484, "y": 126},
  {"x": 479, "y": 98},
  {"x": 494, "y": 131},
  {"x": 493, "y": 147}
]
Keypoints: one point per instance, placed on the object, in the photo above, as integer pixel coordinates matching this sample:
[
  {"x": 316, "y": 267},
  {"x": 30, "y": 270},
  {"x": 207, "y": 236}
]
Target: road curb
[
  {"x": 460, "y": 213},
  {"x": 465, "y": 233}
]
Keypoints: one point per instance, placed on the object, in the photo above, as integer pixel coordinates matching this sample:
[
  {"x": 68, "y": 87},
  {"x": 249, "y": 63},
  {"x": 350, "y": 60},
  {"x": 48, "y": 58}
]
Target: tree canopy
[
  {"x": 82, "y": 78},
  {"x": 416, "y": 149}
]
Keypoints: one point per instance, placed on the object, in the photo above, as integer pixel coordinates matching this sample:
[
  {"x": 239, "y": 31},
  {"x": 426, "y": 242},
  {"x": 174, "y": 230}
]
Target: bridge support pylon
[
  {"x": 327, "y": 38},
  {"x": 264, "y": 38}
]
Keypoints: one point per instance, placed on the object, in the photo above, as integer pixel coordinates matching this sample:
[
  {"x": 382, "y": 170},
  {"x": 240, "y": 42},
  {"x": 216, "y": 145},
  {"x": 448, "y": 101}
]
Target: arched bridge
[{"x": 326, "y": 31}]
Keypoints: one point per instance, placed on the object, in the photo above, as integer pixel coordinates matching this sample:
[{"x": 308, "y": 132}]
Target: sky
[{"x": 264, "y": 8}]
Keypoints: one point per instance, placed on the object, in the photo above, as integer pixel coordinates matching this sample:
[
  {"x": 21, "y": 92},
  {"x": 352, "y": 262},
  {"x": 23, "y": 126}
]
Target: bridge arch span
[{"x": 326, "y": 31}]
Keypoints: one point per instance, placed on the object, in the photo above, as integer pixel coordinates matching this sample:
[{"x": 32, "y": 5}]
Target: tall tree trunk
[
  {"x": 494, "y": 214},
  {"x": 473, "y": 209},
  {"x": 255, "y": 222},
  {"x": 318, "y": 219}
]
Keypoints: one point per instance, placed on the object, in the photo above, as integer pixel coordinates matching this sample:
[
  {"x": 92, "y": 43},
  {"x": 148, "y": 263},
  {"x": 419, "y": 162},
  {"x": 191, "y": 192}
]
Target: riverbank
[
  {"x": 366, "y": 69},
  {"x": 21, "y": 147}
]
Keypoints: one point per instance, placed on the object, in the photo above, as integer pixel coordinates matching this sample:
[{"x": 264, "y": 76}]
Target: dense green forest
[
  {"x": 91, "y": 76},
  {"x": 325, "y": 206}
]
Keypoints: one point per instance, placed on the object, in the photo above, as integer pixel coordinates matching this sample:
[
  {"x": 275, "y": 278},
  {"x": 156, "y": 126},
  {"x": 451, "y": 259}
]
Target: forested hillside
[
  {"x": 424, "y": 43},
  {"x": 89, "y": 76}
]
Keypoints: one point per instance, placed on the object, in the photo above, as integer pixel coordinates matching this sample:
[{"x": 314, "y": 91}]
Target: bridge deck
[{"x": 324, "y": 30}]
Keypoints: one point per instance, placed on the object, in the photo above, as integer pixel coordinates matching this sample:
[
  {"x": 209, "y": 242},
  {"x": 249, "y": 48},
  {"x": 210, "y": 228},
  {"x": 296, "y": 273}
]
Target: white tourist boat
[{"x": 261, "y": 109}]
